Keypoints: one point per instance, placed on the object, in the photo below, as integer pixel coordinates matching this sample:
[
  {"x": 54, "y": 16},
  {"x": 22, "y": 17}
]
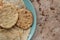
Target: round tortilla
[
  {"x": 8, "y": 16},
  {"x": 25, "y": 19}
]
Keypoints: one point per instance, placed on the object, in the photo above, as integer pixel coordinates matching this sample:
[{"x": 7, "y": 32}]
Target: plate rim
[{"x": 35, "y": 21}]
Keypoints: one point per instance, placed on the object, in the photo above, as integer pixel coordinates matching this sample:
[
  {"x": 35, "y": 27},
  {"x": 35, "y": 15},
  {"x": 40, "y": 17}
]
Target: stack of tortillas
[{"x": 15, "y": 20}]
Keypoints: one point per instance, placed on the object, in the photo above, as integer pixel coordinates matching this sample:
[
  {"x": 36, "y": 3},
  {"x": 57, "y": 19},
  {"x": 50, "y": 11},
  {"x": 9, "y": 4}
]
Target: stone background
[{"x": 48, "y": 19}]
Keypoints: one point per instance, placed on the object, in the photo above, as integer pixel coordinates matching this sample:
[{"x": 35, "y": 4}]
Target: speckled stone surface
[{"x": 48, "y": 19}]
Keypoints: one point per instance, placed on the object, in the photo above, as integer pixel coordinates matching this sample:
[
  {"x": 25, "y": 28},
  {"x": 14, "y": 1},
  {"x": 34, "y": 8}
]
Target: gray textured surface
[{"x": 48, "y": 19}]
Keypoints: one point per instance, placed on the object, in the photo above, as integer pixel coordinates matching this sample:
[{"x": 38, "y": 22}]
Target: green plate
[{"x": 30, "y": 7}]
